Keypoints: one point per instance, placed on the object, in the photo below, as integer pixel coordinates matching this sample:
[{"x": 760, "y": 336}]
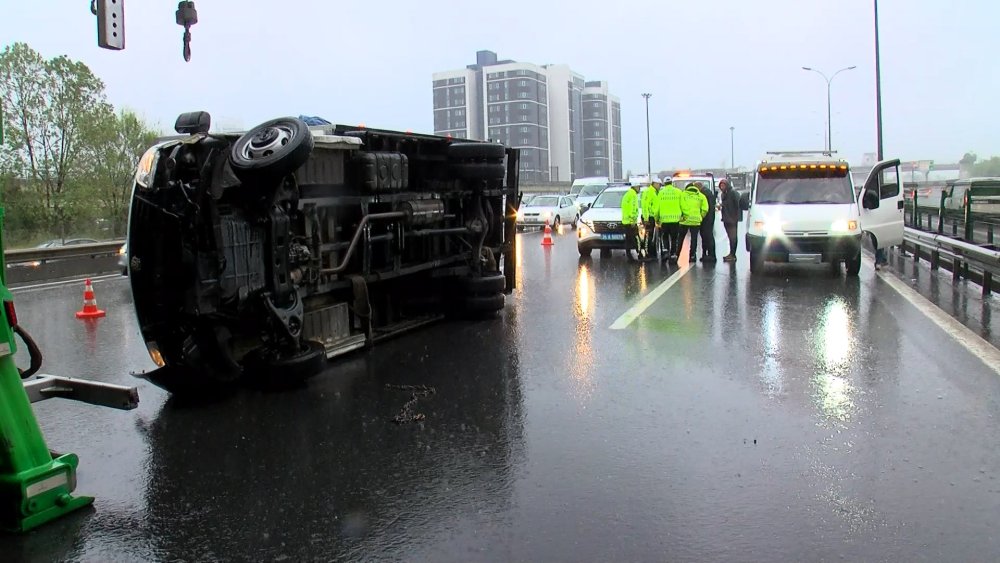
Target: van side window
[{"x": 889, "y": 186}]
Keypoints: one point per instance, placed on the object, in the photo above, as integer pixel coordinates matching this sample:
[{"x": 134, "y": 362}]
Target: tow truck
[
  {"x": 683, "y": 179},
  {"x": 265, "y": 253},
  {"x": 804, "y": 209}
]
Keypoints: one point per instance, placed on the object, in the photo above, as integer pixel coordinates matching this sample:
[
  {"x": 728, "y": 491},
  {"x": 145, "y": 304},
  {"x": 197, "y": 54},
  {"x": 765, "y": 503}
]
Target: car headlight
[
  {"x": 154, "y": 353},
  {"x": 770, "y": 227},
  {"x": 147, "y": 166},
  {"x": 844, "y": 226}
]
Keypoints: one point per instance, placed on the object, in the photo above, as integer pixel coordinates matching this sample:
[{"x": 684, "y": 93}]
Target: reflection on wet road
[{"x": 794, "y": 416}]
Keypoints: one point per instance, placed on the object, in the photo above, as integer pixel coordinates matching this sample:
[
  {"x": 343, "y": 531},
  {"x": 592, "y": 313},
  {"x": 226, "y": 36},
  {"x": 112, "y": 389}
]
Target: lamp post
[
  {"x": 878, "y": 91},
  {"x": 649, "y": 164},
  {"x": 732, "y": 148},
  {"x": 829, "y": 123}
]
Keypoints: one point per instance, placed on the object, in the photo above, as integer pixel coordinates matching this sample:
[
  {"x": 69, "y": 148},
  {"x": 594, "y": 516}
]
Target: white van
[
  {"x": 803, "y": 208},
  {"x": 581, "y": 183},
  {"x": 585, "y": 190}
]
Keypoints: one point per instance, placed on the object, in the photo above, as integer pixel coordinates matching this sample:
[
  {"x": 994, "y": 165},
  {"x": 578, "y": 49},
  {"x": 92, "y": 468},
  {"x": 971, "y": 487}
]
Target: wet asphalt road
[{"x": 794, "y": 417}]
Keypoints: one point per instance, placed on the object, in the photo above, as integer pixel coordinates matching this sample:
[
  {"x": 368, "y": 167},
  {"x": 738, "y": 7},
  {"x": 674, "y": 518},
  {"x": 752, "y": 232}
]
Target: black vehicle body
[{"x": 267, "y": 253}]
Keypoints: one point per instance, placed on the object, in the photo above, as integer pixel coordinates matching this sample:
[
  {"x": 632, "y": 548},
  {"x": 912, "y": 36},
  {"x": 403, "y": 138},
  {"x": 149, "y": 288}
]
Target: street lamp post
[
  {"x": 649, "y": 164},
  {"x": 878, "y": 91},
  {"x": 829, "y": 113},
  {"x": 732, "y": 148}
]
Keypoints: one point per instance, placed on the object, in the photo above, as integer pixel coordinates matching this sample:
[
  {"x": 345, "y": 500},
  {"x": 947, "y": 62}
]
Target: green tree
[
  {"x": 115, "y": 142},
  {"x": 989, "y": 167},
  {"x": 47, "y": 104}
]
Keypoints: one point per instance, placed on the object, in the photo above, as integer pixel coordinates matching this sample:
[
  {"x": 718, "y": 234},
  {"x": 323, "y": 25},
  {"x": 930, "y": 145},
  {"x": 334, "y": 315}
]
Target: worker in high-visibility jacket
[
  {"x": 649, "y": 204},
  {"x": 668, "y": 217},
  {"x": 630, "y": 221},
  {"x": 694, "y": 207}
]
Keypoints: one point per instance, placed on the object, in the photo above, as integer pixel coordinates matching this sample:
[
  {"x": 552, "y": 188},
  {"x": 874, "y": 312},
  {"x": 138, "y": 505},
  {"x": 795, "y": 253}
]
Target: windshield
[
  {"x": 609, "y": 199},
  {"x": 804, "y": 190},
  {"x": 544, "y": 201},
  {"x": 681, "y": 184},
  {"x": 575, "y": 189},
  {"x": 592, "y": 190}
]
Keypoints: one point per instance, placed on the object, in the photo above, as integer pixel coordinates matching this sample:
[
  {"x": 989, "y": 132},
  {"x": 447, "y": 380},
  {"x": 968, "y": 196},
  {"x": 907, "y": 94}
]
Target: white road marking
[
  {"x": 46, "y": 285},
  {"x": 648, "y": 299},
  {"x": 971, "y": 341}
]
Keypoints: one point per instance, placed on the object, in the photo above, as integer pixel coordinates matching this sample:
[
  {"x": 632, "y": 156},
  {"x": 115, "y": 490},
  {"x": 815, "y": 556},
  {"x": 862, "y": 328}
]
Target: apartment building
[
  {"x": 540, "y": 109},
  {"x": 602, "y": 134}
]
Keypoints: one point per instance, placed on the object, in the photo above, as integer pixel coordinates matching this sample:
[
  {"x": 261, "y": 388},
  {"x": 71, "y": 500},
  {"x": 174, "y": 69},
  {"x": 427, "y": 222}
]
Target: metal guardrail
[
  {"x": 972, "y": 214},
  {"x": 963, "y": 259},
  {"x": 560, "y": 188},
  {"x": 71, "y": 251}
]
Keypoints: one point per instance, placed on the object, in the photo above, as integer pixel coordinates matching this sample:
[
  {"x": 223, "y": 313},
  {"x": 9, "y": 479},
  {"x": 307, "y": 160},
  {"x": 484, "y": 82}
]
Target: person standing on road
[
  {"x": 649, "y": 205},
  {"x": 694, "y": 208},
  {"x": 630, "y": 221},
  {"x": 708, "y": 225},
  {"x": 669, "y": 216},
  {"x": 731, "y": 216},
  {"x": 881, "y": 260}
]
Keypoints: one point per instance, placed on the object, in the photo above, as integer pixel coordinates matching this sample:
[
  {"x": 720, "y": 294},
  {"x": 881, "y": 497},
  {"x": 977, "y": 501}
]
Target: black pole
[
  {"x": 878, "y": 91},
  {"x": 732, "y": 148},
  {"x": 649, "y": 164},
  {"x": 829, "y": 118}
]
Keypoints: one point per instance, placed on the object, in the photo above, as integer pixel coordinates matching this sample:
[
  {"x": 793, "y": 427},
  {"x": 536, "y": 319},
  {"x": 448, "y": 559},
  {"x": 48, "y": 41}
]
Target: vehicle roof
[
  {"x": 617, "y": 188},
  {"x": 802, "y": 156},
  {"x": 591, "y": 180}
]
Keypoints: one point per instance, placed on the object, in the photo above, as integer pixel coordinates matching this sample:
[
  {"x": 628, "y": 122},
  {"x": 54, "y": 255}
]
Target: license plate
[{"x": 612, "y": 236}]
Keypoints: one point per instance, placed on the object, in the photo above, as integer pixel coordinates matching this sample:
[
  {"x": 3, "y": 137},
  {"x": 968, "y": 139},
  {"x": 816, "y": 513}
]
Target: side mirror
[
  {"x": 870, "y": 199},
  {"x": 745, "y": 201}
]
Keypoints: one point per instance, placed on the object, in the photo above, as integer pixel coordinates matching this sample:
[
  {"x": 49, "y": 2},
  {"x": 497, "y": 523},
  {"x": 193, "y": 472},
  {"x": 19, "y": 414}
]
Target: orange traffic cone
[
  {"x": 547, "y": 237},
  {"x": 90, "y": 310}
]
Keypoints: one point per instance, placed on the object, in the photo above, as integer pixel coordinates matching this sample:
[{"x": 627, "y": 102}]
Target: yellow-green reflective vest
[
  {"x": 669, "y": 204},
  {"x": 630, "y": 207},
  {"x": 694, "y": 206}
]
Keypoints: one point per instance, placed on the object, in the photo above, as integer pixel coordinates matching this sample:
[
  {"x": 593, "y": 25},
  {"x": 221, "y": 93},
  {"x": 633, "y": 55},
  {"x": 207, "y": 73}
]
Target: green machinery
[{"x": 36, "y": 485}]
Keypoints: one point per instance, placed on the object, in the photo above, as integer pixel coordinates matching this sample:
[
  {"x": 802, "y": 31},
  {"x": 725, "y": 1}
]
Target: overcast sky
[{"x": 709, "y": 64}]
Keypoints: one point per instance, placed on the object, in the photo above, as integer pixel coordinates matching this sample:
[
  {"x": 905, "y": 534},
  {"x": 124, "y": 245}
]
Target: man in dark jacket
[
  {"x": 731, "y": 216},
  {"x": 708, "y": 225}
]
